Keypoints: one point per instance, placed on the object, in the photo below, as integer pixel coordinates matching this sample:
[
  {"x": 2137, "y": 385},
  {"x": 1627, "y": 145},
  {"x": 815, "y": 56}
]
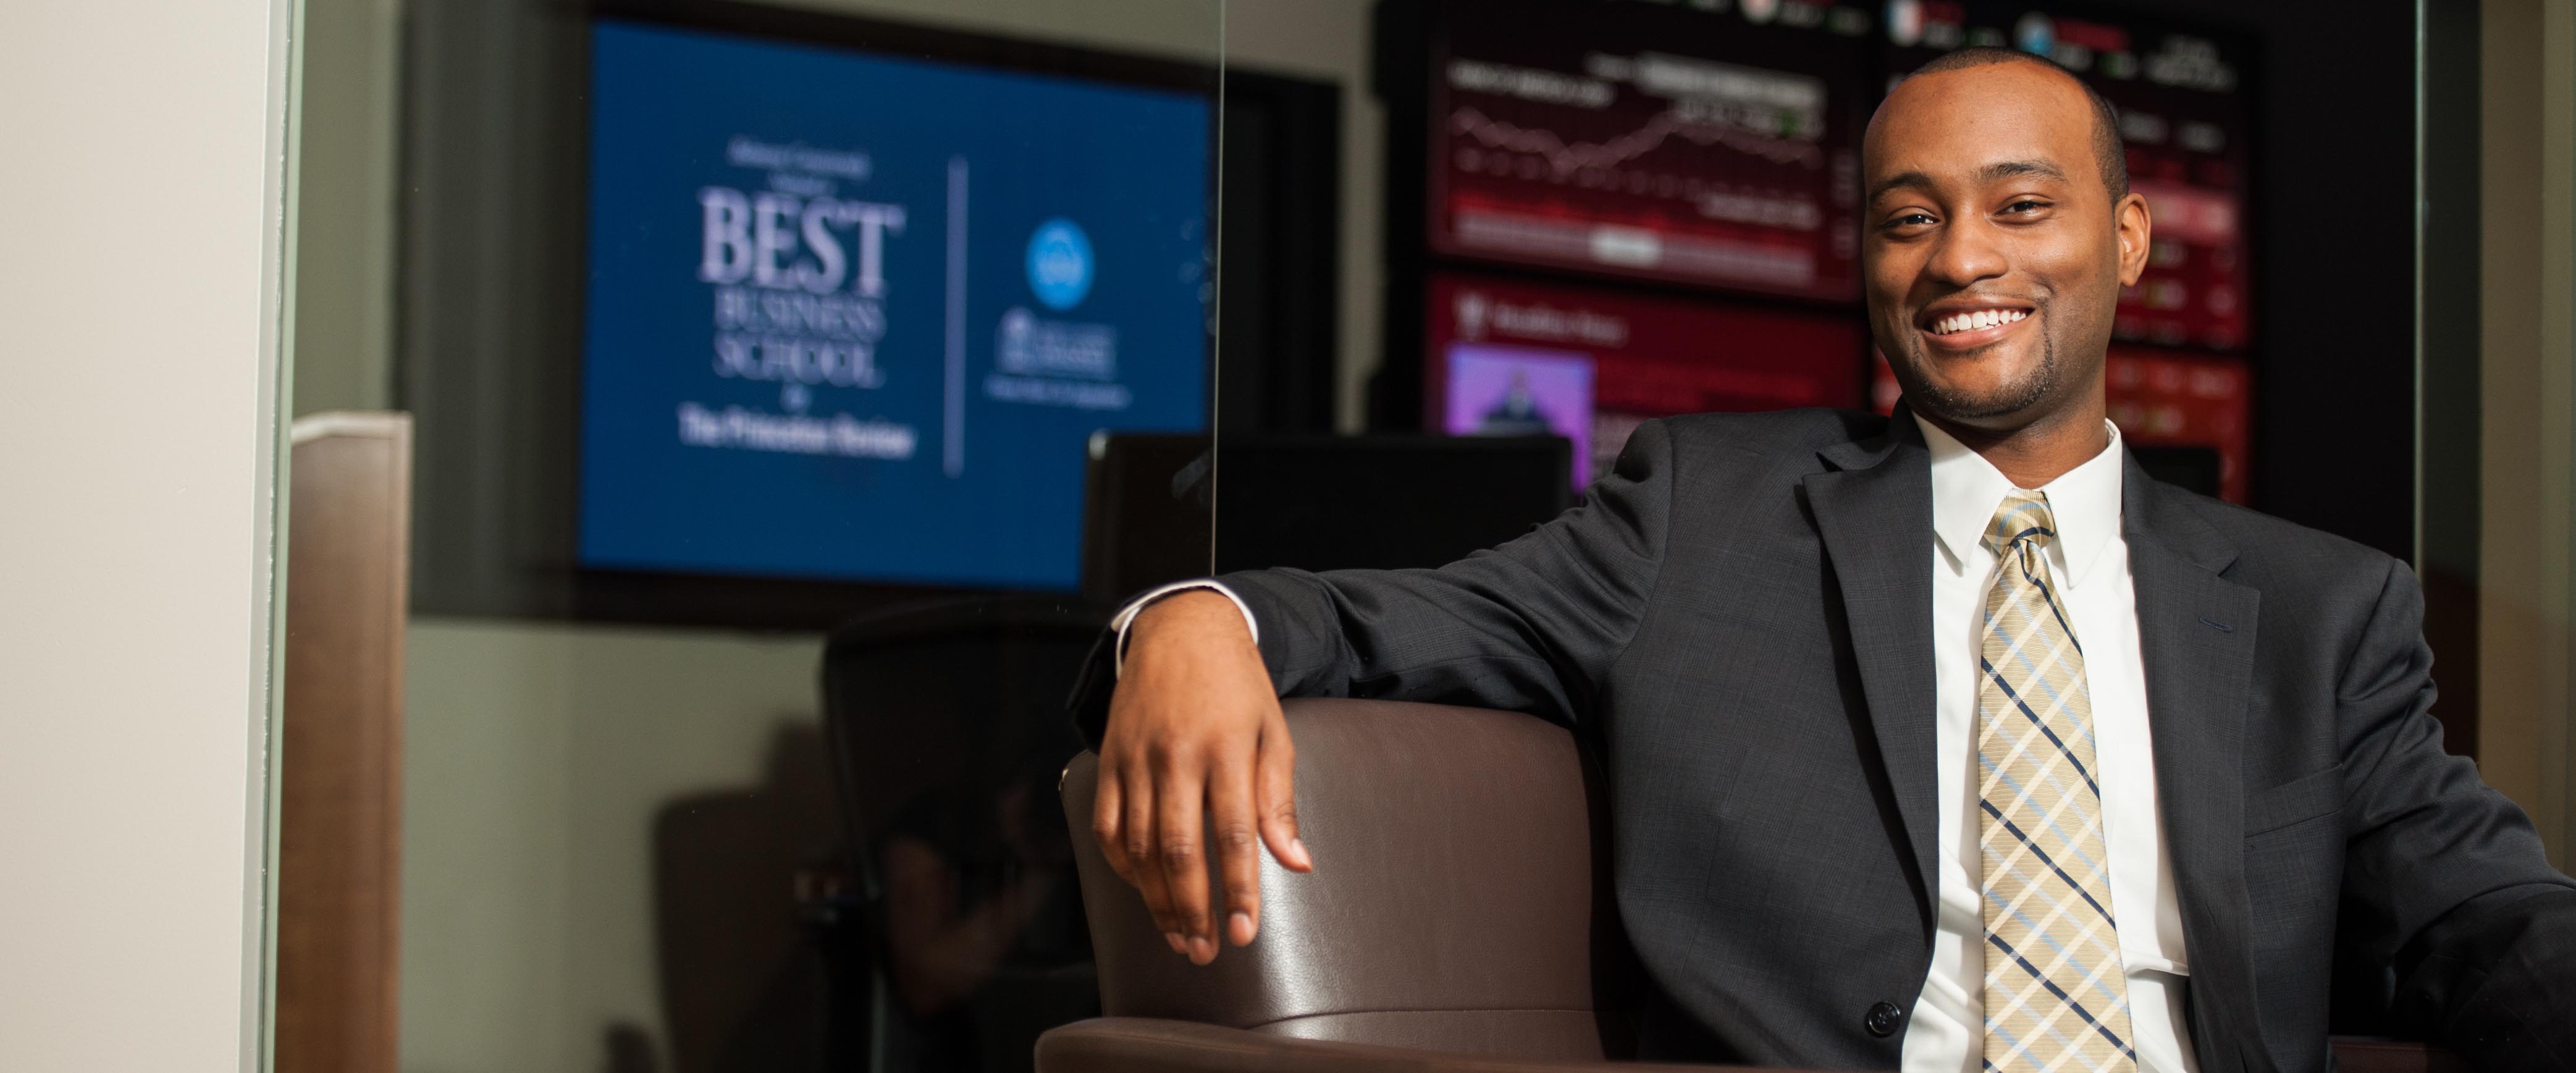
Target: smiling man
[{"x": 1948, "y": 740}]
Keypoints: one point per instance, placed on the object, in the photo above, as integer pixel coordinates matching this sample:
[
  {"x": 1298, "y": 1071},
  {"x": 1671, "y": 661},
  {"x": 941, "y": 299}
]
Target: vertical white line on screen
[{"x": 953, "y": 435}]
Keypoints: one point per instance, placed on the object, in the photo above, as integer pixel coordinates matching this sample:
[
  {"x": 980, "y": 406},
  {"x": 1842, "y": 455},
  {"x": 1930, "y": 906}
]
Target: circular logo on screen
[
  {"x": 1060, "y": 264},
  {"x": 2035, "y": 34}
]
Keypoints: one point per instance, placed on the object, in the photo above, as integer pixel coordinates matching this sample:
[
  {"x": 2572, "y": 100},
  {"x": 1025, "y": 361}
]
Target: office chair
[{"x": 1456, "y": 921}]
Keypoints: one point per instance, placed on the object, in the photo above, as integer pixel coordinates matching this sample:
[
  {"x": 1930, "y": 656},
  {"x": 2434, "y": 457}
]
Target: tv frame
[{"x": 512, "y": 552}]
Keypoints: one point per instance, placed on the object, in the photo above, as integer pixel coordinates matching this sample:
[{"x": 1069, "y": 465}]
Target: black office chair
[{"x": 957, "y": 935}]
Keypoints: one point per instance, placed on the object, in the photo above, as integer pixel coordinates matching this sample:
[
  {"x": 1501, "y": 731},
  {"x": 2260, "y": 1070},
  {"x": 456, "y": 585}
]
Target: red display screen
[
  {"x": 1638, "y": 140},
  {"x": 2165, "y": 398},
  {"x": 1588, "y": 363},
  {"x": 1715, "y": 144}
]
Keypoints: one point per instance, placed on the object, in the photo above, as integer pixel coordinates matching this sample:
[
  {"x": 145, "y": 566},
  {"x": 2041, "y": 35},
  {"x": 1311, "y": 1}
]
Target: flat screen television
[
  {"x": 852, "y": 316},
  {"x": 646, "y": 393}
]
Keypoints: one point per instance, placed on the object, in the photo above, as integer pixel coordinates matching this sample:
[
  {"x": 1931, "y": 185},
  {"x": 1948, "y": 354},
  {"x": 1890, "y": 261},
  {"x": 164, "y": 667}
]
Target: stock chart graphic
[{"x": 1631, "y": 141}]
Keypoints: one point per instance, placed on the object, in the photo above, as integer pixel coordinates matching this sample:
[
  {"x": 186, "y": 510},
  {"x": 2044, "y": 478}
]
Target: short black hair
[{"x": 2108, "y": 153}]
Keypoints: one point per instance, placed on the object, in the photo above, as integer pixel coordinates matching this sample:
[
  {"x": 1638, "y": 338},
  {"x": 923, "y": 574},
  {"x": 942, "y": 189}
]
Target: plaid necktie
[{"x": 2056, "y": 996}]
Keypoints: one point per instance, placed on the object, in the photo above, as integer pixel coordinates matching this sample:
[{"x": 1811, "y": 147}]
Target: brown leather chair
[{"x": 1453, "y": 922}]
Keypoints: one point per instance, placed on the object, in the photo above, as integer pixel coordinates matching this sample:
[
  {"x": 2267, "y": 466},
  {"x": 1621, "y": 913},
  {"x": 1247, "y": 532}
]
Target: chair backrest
[{"x": 1452, "y": 906}]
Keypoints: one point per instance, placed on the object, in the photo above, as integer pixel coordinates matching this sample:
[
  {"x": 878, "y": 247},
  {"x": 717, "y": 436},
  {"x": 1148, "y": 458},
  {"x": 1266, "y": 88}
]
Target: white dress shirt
[{"x": 2090, "y": 562}]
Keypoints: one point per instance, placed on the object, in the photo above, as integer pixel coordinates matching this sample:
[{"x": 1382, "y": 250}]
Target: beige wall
[
  {"x": 345, "y": 201},
  {"x": 138, "y": 377},
  {"x": 2528, "y": 295},
  {"x": 536, "y": 758}
]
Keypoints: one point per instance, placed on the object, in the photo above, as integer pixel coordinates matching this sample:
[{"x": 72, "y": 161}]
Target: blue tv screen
[{"x": 854, "y": 316}]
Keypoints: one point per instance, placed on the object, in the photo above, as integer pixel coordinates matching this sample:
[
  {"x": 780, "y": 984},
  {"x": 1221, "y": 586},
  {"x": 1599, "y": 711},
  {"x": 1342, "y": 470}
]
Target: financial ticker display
[
  {"x": 1511, "y": 357},
  {"x": 1688, "y": 172},
  {"x": 1717, "y": 144},
  {"x": 1656, "y": 142},
  {"x": 852, "y": 316}
]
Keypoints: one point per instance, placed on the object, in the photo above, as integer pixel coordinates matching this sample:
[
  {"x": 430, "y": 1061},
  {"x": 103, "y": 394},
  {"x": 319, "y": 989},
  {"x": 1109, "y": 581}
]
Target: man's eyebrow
[
  {"x": 1914, "y": 179},
  {"x": 1999, "y": 170},
  {"x": 2014, "y": 169}
]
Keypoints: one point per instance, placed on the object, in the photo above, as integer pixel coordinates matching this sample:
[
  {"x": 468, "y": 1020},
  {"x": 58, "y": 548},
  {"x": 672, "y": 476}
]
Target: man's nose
[{"x": 1966, "y": 253}]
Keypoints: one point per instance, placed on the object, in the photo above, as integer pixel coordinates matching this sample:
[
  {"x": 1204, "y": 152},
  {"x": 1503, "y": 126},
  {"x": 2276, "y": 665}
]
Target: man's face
[{"x": 1993, "y": 253}]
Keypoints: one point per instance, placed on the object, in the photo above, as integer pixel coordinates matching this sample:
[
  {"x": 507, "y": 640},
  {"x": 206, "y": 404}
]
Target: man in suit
[{"x": 1946, "y": 741}]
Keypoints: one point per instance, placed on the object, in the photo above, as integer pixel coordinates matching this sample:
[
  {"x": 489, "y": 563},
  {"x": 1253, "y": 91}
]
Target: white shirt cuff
[{"x": 1127, "y": 615}]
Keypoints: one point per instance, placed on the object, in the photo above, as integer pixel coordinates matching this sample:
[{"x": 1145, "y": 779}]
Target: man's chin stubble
[{"x": 2014, "y": 398}]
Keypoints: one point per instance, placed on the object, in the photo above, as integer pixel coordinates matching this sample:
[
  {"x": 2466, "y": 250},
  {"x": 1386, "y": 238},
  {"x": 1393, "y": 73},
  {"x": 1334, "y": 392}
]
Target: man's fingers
[
  {"x": 1277, "y": 794},
  {"x": 1232, "y": 822},
  {"x": 1108, "y": 824},
  {"x": 1180, "y": 803},
  {"x": 1138, "y": 837}
]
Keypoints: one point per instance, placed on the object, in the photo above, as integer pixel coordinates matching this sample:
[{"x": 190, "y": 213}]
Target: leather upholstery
[
  {"x": 1451, "y": 906},
  {"x": 1450, "y": 925},
  {"x": 1136, "y": 1045}
]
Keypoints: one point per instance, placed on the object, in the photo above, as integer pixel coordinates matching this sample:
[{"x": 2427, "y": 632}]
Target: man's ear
[{"x": 2137, "y": 233}]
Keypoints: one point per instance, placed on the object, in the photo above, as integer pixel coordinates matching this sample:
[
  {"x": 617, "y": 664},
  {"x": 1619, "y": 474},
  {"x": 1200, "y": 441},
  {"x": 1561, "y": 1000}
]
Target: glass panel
[{"x": 770, "y": 369}]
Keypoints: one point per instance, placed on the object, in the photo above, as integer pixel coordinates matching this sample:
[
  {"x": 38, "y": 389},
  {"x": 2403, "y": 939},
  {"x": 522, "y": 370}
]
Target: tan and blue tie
[{"x": 2056, "y": 997}]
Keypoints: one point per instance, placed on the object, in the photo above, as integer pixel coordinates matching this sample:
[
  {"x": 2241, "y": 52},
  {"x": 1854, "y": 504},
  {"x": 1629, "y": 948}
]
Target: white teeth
[{"x": 1977, "y": 319}]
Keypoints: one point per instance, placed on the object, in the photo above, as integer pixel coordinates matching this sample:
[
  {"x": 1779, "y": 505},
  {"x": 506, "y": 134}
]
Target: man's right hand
[{"x": 1196, "y": 756}]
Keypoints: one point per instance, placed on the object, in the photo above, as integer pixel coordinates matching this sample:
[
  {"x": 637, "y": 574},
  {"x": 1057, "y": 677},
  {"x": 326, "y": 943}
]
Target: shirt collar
[{"x": 1966, "y": 489}]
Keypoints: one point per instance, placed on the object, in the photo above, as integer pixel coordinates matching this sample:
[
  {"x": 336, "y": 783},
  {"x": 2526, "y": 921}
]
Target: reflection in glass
[{"x": 754, "y": 352}]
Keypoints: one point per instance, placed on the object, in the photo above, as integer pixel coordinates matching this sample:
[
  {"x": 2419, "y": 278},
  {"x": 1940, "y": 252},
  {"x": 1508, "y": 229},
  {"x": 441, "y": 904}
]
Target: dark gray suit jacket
[{"x": 1739, "y": 622}]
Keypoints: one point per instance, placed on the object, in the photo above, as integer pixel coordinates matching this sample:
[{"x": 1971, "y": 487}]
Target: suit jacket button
[{"x": 1883, "y": 1019}]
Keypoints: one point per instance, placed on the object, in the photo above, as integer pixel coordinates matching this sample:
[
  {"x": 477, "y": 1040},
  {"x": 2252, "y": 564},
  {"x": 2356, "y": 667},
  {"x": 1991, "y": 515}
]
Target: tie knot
[{"x": 2023, "y": 516}]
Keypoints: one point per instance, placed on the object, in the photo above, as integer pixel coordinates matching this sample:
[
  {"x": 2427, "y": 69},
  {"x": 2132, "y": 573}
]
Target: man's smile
[{"x": 1966, "y": 326}]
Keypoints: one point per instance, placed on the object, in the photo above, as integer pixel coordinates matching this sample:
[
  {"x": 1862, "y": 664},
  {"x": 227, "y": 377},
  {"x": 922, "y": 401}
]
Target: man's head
[{"x": 1998, "y": 232}]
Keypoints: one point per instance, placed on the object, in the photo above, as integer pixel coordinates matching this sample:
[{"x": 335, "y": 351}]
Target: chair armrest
[{"x": 1150, "y": 1045}]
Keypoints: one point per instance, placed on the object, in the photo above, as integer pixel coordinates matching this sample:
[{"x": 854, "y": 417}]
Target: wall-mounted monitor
[{"x": 852, "y": 316}]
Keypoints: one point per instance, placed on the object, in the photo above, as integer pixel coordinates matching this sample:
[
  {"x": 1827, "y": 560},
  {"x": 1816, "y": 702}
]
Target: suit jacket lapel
[
  {"x": 2196, "y": 633},
  {"x": 1873, "y": 510}
]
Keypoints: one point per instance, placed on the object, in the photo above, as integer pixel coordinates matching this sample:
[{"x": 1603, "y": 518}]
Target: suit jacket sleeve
[
  {"x": 2447, "y": 874},
  {"x": 1530, "y": 626}
]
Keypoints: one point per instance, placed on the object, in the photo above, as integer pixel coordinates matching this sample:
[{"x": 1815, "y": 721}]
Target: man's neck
[{"x": 2042, "y": 451}]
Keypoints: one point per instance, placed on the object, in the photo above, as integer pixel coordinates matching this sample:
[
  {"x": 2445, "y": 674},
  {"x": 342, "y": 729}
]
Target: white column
[{"x": 141, "y": 151}]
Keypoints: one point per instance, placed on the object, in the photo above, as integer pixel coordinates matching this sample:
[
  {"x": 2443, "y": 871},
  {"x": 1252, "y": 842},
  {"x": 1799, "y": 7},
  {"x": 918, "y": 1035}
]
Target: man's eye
[
  {"x": 1911, "y": 219},
  {"x": 2025, "y": 205}
]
